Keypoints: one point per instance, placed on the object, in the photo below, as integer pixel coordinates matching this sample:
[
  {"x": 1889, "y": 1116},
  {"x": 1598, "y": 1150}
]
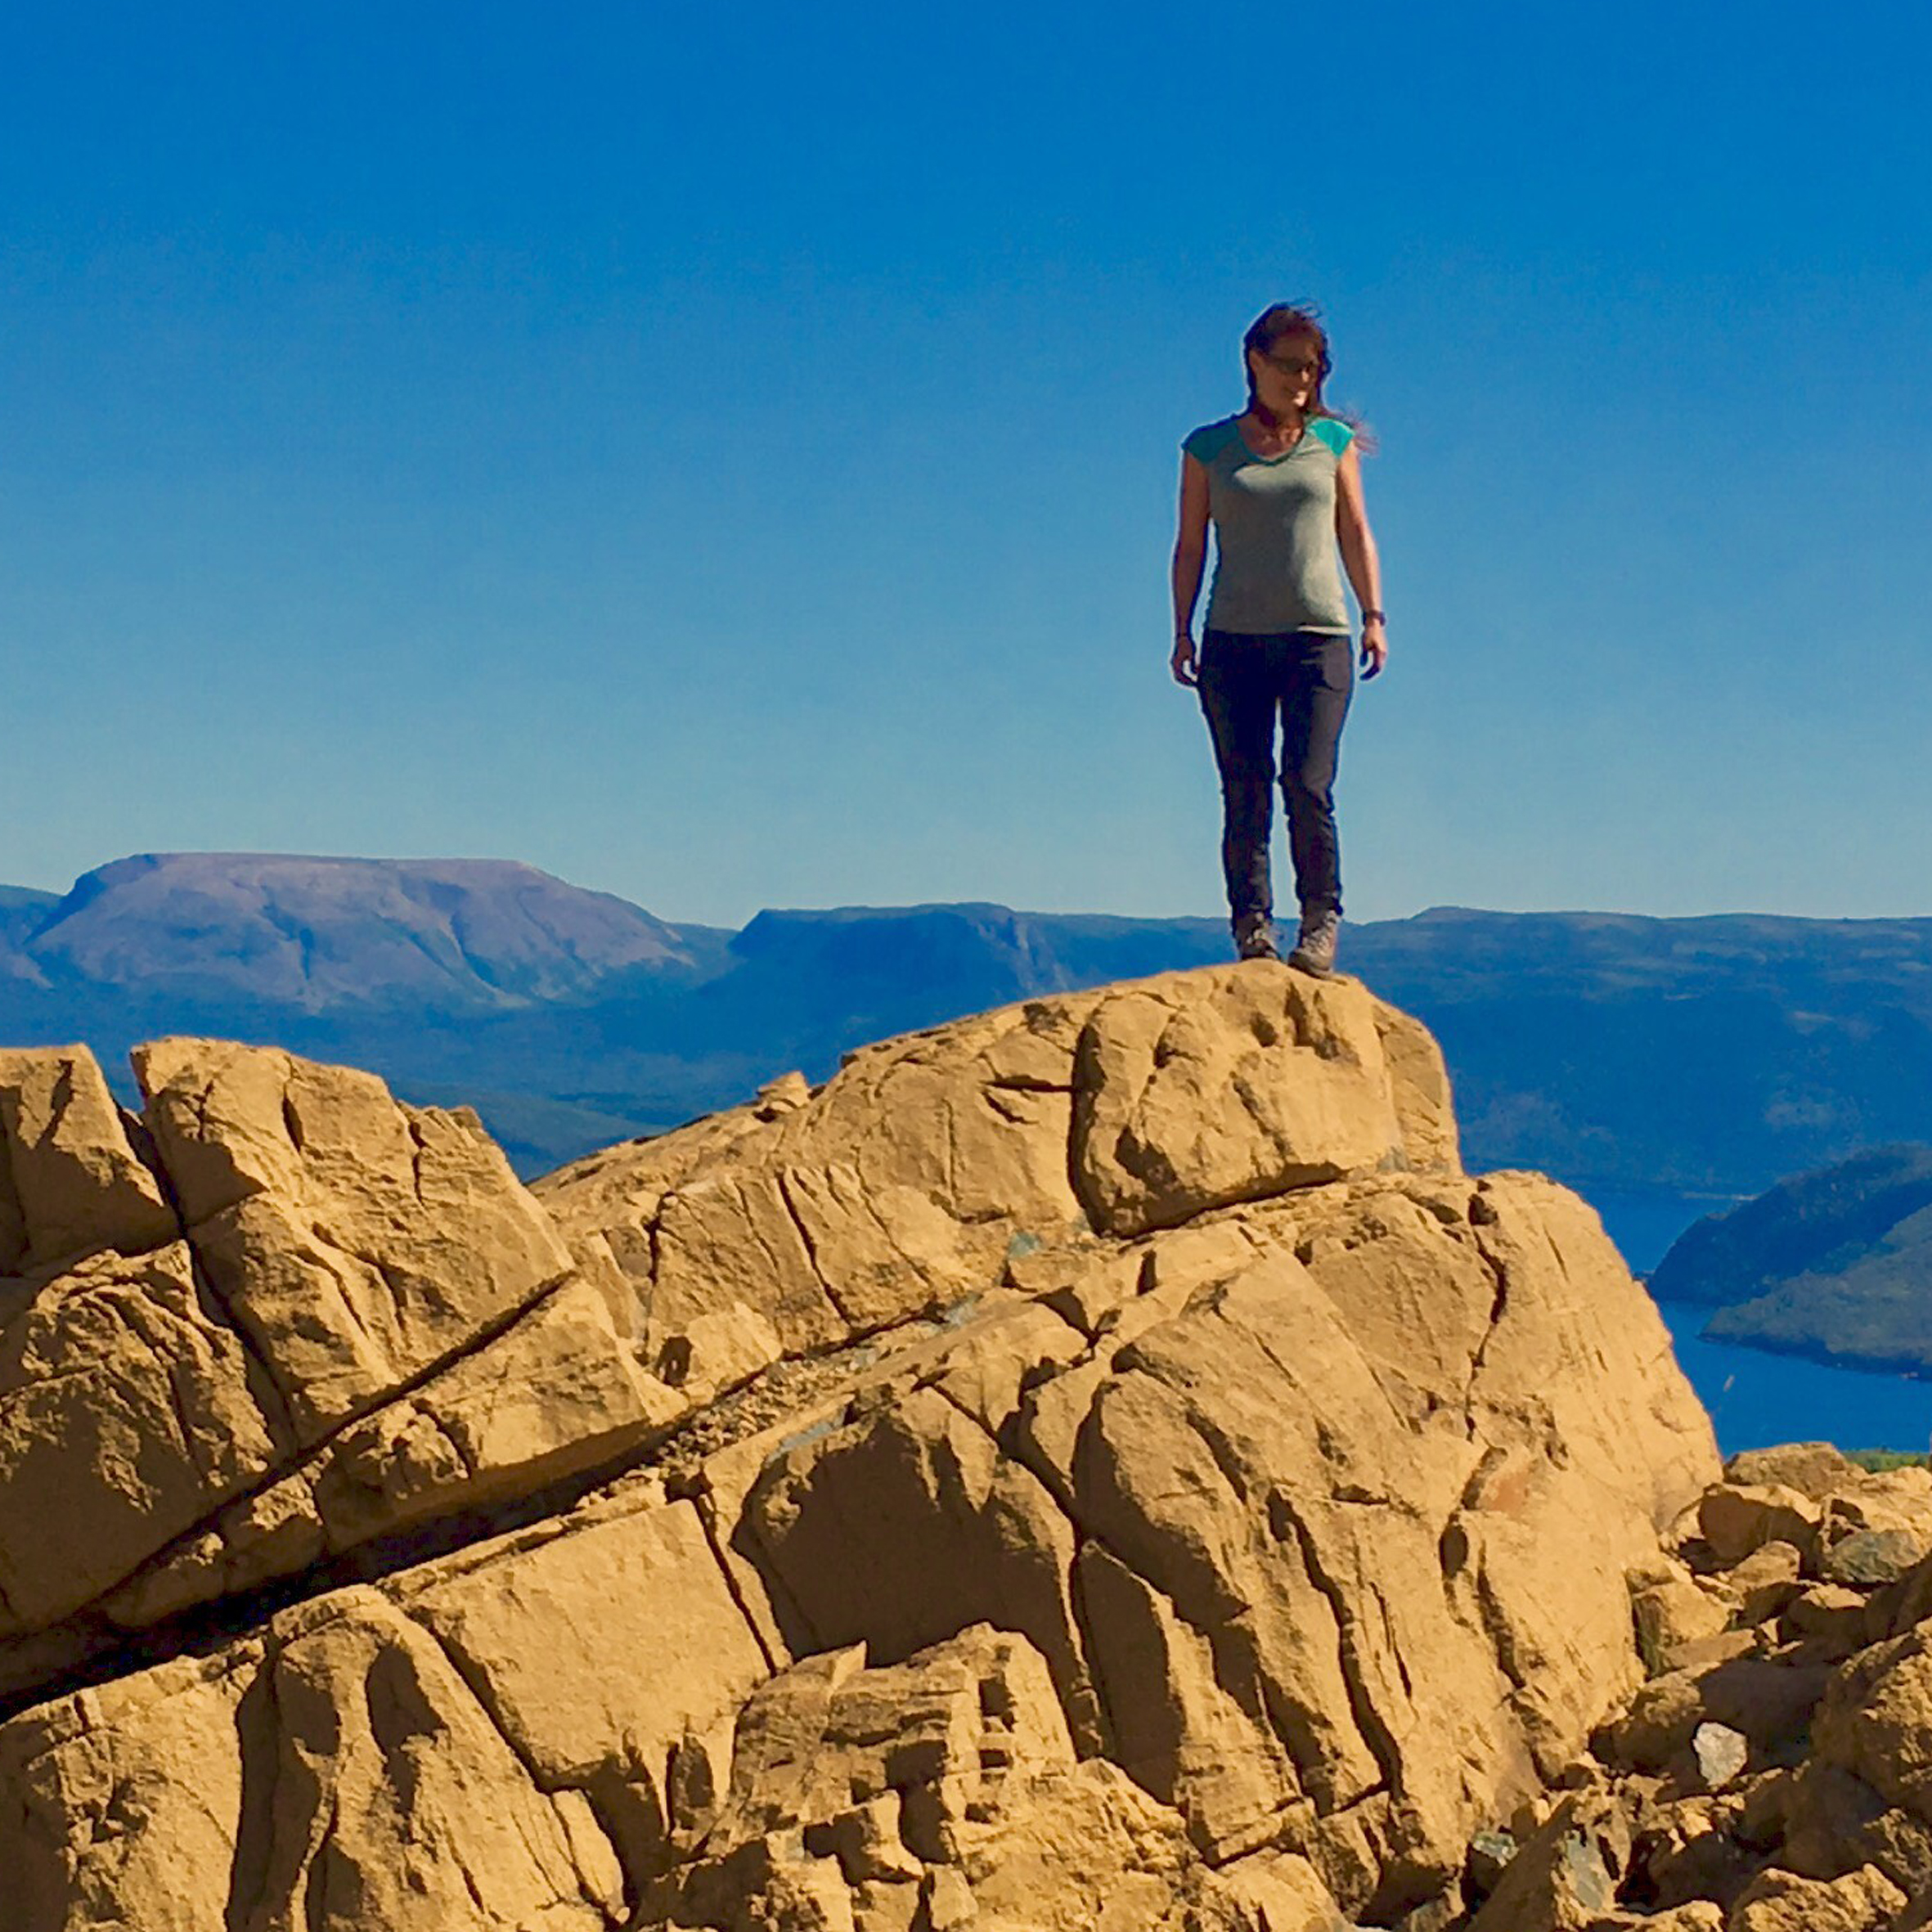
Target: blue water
[{"x": 1756, "y": 1398}]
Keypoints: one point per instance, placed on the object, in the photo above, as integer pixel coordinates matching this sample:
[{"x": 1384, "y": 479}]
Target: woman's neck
[{"x": 1269, "y": 419}]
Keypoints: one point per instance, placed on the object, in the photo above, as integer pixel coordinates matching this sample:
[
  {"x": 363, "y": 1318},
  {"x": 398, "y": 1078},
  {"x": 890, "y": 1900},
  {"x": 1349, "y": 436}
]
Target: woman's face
[{"x": 1285, "y": 373}]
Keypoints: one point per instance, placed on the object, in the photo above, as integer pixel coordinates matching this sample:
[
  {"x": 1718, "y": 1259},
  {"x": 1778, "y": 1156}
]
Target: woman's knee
[{"x": 1308, "y": 790}]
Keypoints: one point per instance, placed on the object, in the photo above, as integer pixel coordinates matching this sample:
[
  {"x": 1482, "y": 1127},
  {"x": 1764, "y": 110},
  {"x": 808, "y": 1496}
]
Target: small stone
[
  {"x": 1489, "y": 1852},
  {"x": 1828, "y": 1614},
  {"x": 1736, "y": 1520},
  {"x": 1766, "y": 1581},
  {"x": 1671, "y": 1613},
  {"x": 1721, "y": 1754},
  {"x": 1870, "y": 1557}
]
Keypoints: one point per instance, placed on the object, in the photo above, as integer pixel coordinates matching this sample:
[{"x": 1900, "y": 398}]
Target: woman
[{"x": 1282, "y": 484}]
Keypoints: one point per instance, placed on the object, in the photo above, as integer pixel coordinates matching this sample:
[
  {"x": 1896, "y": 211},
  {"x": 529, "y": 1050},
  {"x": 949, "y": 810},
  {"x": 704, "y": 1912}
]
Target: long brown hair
[{"x": 1303, "y": 319}]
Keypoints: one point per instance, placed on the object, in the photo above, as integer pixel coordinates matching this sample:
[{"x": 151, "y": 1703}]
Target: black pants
[{"x": 1305, "y": 678}]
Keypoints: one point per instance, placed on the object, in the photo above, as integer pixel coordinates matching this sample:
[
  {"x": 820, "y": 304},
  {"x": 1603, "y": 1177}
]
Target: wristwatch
[{"x": 1374, "y": 617}]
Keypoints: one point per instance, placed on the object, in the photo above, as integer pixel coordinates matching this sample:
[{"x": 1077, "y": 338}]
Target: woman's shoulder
[
  {"x": 1332, "y": 431},
  {"x": 1207, "y": 443}
]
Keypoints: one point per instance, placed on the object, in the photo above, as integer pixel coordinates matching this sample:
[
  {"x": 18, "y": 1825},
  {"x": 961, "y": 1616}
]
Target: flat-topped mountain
[{"x": 315, "y": 934}]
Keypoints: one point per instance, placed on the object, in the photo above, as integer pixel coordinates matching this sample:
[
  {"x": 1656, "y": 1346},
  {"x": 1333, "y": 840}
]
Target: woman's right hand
[{"x": 1186, "y": 671}]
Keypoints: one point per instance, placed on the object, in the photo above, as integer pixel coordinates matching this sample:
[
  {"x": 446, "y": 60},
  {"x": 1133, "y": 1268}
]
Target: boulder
[
  {"x": 128, "y": 1416},
  {"x": 1738, "y": 1518},
  {"x": 72, "y": 1182},
  {"x": 355, "y": 1242},
  {"x": 1863, "y": 1901},
  {"x": 902, "y": 1185},
  {"x": 1096, "y": 1464},
  {"x": 367, "y": 1323}
]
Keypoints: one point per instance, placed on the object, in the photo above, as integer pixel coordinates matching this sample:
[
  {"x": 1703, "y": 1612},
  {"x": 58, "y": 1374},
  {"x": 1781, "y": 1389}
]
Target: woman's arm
[
  {"x": 1190, "y": 553},
  {"x": 1359, "y": 557}
]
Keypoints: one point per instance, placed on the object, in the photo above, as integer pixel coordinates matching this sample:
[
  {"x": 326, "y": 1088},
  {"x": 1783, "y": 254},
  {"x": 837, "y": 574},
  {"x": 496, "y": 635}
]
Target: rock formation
[{"x": 1099, "y": 1464}]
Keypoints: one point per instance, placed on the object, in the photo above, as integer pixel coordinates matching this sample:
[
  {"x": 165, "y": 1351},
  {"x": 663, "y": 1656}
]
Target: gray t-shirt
[{"x": 1275, "y": 566}]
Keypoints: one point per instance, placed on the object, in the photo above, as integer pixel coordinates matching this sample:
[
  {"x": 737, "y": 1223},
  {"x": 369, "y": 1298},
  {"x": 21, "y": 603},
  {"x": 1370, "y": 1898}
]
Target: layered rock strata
[{"x": 1100, "y": 1463}]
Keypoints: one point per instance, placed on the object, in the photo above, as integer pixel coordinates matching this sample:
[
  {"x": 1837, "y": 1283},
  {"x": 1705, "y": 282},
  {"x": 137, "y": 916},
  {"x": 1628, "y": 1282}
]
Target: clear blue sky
[{"x": 727, "y": 455}]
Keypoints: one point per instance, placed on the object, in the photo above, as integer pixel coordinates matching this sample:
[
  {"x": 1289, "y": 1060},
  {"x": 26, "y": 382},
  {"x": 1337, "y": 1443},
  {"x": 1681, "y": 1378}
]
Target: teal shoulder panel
[
  {"x": 1207, "y": 443},
  {"x": 1332, "y": 431}
]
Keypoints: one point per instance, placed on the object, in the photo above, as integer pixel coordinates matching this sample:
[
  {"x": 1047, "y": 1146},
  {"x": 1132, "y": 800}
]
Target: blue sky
[{"x": 727, "y": 457}]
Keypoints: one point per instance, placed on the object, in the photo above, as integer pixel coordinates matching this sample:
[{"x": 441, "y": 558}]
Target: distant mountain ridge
[
  {"x": 315, "y": 933},
  {"x": 1711, "y": 1054}
]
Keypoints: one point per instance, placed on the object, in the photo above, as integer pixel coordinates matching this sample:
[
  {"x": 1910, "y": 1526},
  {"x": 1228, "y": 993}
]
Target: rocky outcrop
[
  {"x": 278, "y": 1315},
  {"x": 901, "y": 1185},
  {"x": 1097, "y": 1464},
  {"x": 1769, "y": 1776}
]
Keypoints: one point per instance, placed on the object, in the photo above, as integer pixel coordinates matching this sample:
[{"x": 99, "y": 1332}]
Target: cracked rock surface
[{"x": 1099, "y": 1464}]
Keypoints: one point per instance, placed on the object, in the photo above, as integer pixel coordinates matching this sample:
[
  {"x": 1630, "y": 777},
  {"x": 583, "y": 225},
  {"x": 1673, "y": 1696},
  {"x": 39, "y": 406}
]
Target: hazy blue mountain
[
  {"x": 1835, "y": 1265},
  {"x": 21, "y": 912},
  {"x": 316, "y": 935},
  {"x": 1703, "y": 1055}
]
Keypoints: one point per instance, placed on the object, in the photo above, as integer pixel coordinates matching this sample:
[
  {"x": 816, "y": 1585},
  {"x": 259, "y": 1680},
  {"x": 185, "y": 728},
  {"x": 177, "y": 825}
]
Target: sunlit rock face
[{"x": 1100, "y": 1463}]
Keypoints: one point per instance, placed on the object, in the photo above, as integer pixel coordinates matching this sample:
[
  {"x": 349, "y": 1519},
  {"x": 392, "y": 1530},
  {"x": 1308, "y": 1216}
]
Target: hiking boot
[
  {"x": 1314, "y": 948},
  {"x": 1254, "y": 936}
]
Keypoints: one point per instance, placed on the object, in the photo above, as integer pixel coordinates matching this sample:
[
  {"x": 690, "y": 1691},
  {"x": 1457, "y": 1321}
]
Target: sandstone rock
[
  {"x": 1833, "y": 1617},
  {"x": 394, "y": 1800},
  {"x": 1671, "y": 1613},
  {"x": 605, "y": 1655},
  {"x": 556, "y": 1392},
  {"x": 127, "y": 1411},
  {"x": 1298, "y": 1528},
  {"x": 892, "y": 1529},
  {"x": 71, "y": 1183},
  {"x": 1765, "y": 1581},
  {"x": 153, "y": 1423},
  {"x": 1831, "y": 1823},
  {"x": 341, "y": 1777},
  {"x": 956, "y": 1762},
  {"x": 1279, "y": 1892},
  {"x": 1698, "y": 1916},
  {"x": 1874, "y": 1720},
  {"x": 1768, "y": 1700},
  {"x": 1692, "y": 1851},
  {"x": 896, "y": 1188},
  {"x": 1738, "y": 1519},
  {"x": 354, "y": 1242},
  {"x": 1878, "y": 1532},
  {"x": 1154, "y": 1140},
  {"x": 122, "y": 1803},
  {"x": 1566, "y": 1878},
  {"x": 127, "y": 1416},
  {"x": 1813, "y": 1469},
  {"x": 826, "y": 1221},
  {"x": 1864, "y": 1901}
]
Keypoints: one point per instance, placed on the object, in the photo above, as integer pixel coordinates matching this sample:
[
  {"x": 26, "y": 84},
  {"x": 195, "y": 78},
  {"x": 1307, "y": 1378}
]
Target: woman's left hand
[{"x": 1375, "y": 648}]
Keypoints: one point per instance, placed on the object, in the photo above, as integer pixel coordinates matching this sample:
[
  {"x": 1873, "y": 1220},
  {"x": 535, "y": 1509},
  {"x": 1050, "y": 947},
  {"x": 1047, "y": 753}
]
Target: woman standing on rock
[{"x": 1282, "y": 484}]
